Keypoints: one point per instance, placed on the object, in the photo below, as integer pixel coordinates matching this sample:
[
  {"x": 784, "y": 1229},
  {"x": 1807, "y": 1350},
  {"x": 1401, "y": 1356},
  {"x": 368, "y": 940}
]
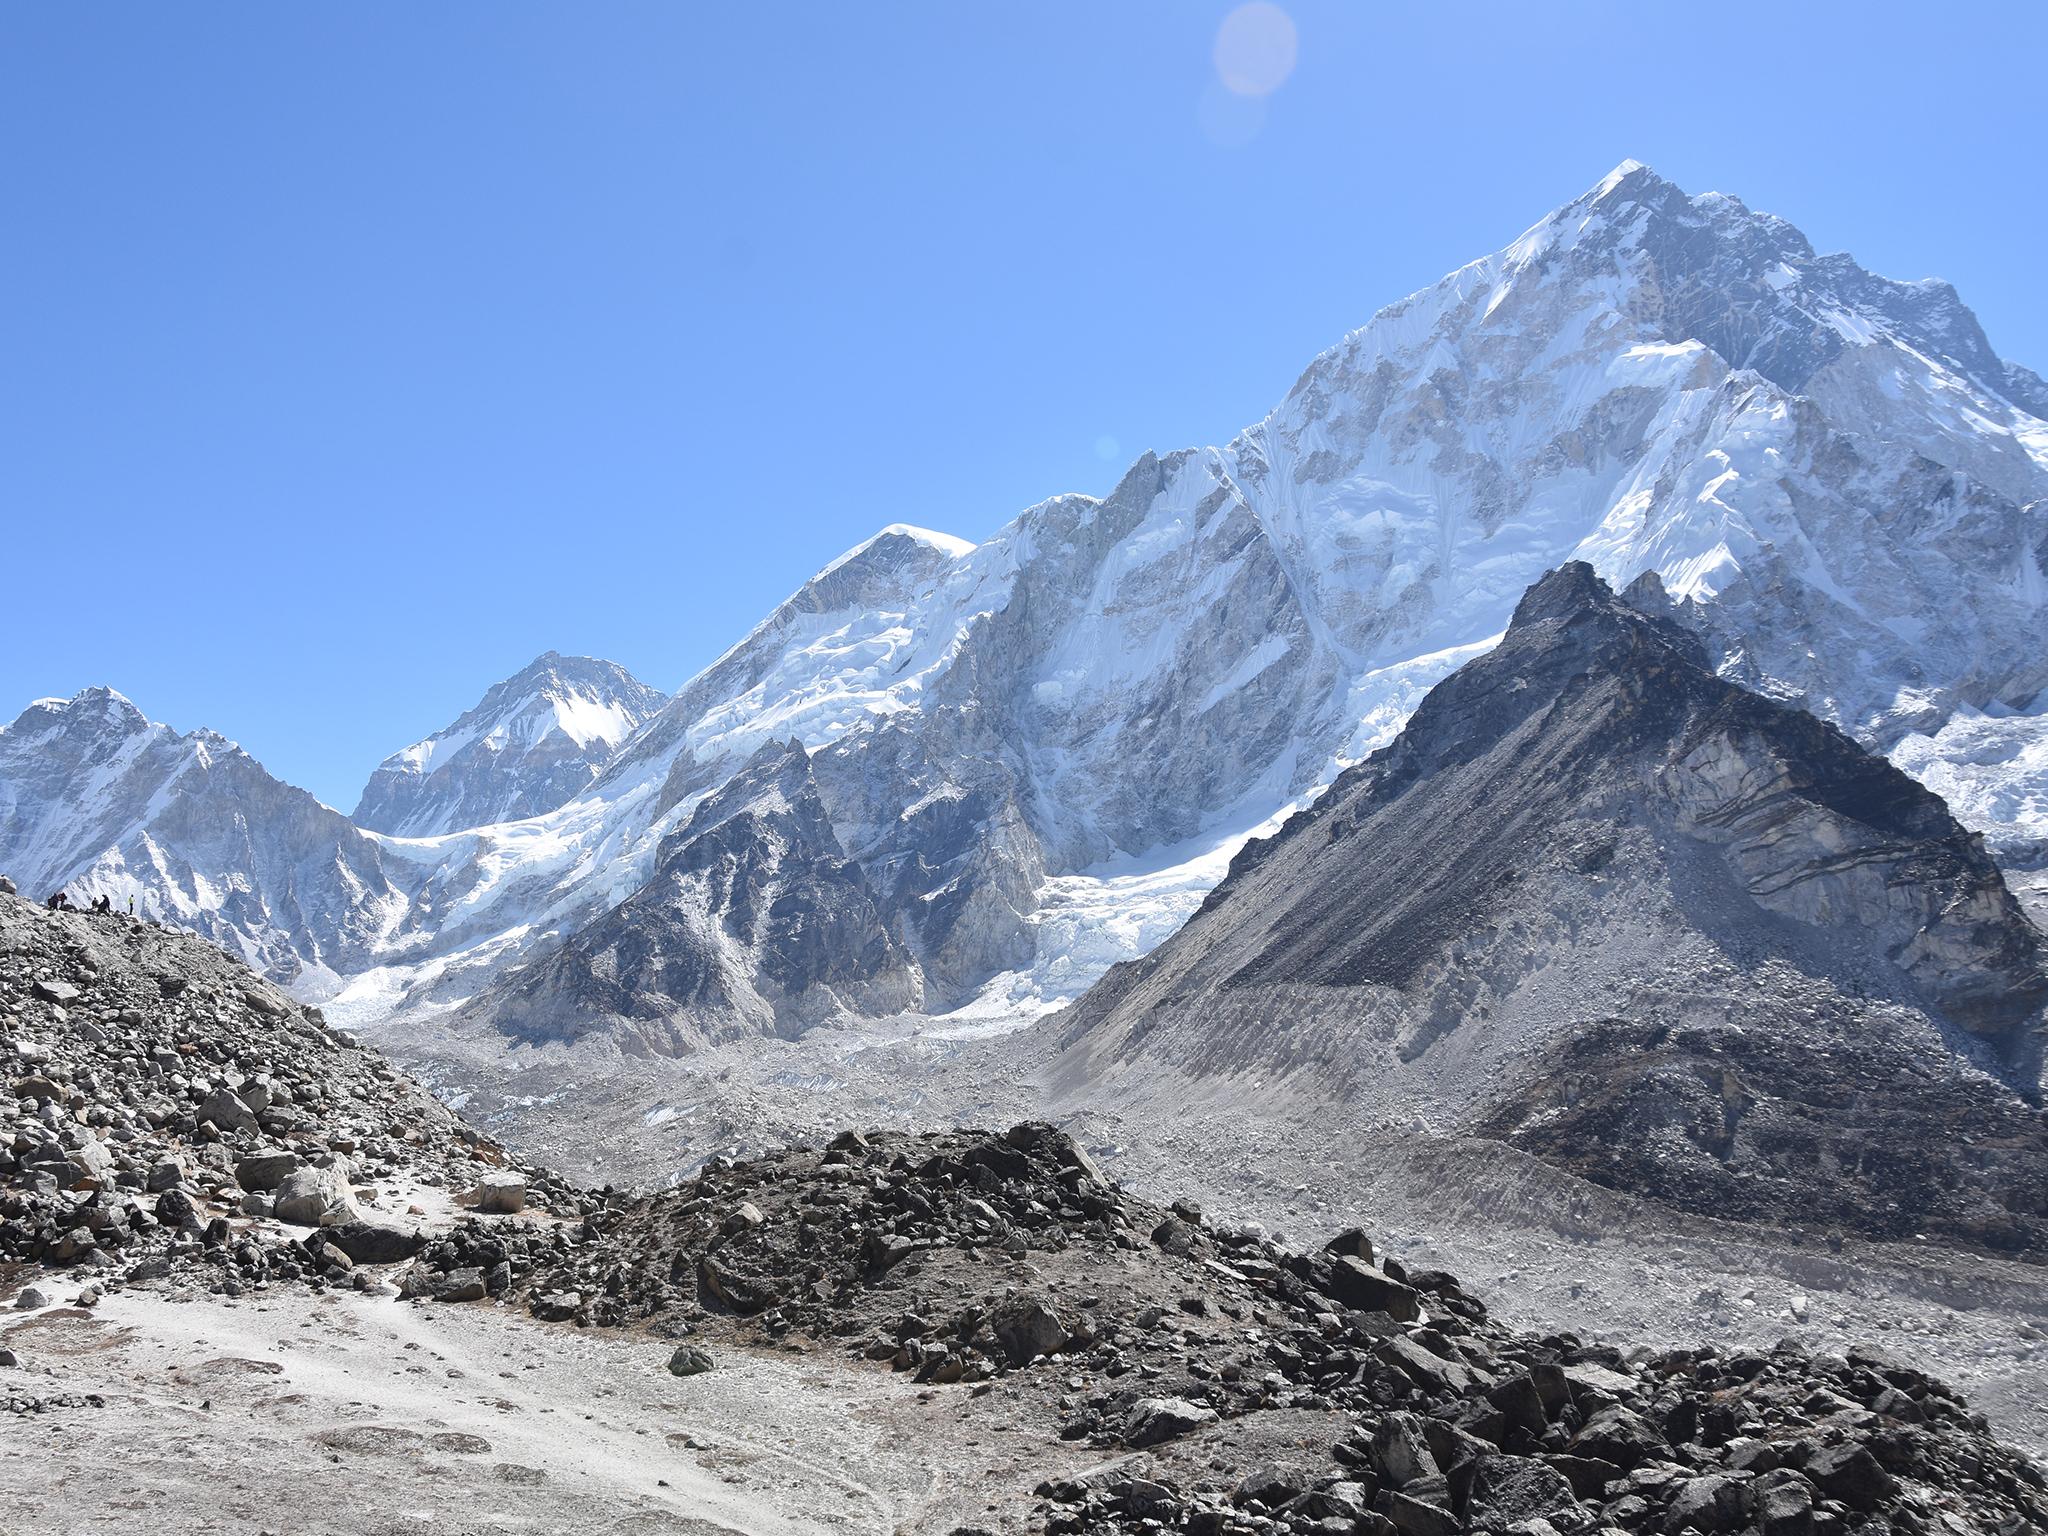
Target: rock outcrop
[{"x": 755, "y": 922}]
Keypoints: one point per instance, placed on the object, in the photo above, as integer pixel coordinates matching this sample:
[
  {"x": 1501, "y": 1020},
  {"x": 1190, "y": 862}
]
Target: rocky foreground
[{"x": 175, "y": 1125}]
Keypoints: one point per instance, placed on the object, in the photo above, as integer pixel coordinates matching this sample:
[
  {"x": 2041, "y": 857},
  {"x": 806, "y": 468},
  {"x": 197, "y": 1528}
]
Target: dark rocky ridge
[
  {"x": 1236, "y": 1386},
  {"x": 1603, "y": 904},
  {"x": 754, "y": 920},
  {"x": 166, "y": 1106}
]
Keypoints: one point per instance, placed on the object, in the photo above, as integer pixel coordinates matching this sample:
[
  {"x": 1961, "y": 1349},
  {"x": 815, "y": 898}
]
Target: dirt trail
[{"x": 359, "y": 1416}]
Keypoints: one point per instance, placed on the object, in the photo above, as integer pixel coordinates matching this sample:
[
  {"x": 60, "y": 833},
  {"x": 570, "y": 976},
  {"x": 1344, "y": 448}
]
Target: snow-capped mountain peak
[
  {"x": 1029, "y": 757},
  {"x": 531, "y": 743},
  {"x": 98, "y": 799}
]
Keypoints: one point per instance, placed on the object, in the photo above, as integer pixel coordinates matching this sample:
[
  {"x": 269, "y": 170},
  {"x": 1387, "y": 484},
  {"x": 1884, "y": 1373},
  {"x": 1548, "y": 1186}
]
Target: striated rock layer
[{"x": 1602, "y": 904}]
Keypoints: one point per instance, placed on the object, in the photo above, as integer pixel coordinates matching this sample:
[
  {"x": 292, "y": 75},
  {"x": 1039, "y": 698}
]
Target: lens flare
[{"x": 1255, "y": 49}]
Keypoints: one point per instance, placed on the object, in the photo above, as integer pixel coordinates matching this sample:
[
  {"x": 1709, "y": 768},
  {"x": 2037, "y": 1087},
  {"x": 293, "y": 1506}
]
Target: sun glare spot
[{"x": 1255, "y": 49}]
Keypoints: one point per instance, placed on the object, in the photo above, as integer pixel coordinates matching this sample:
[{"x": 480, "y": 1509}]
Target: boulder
[
  {"x": 62, "y": 993},
  {"x": 374, "y": 1242},
  {"x": 500, "y": 1194},
  {"x": 1781, "y": 1503},
  {"x": 1351, "y": 1243},
  {"x": 1618, "y": 1435},
  {"x": 1155, "y": 1420},
  {"x": 1356, "y": 1284},
  {"x": 1399, "y": 1452},
  {"x": 311, "y": 1197},
  {"x": 1850, "y": 1473},
  {"x": 30, "y": 1299},
  {"x": 228, "y": 1112},
  {"x": 689, "y": 1360},
  {"x": 174, "y": 1208},
  {"x": 1710, "y": 1503},
  {"x": 461, "y": 1285},
  {"x": 262, "y": 1172},
  {"x": 1027, "y": 1328}
]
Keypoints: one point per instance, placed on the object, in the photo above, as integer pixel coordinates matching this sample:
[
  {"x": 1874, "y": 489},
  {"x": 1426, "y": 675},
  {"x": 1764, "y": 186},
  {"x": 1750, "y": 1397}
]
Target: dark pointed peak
[
  {"x": 1647, "y": 594},
  {"x": 1572, "y": 589}
]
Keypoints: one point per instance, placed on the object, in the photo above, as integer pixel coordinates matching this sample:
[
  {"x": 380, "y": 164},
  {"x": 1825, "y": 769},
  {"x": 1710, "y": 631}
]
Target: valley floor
[{"x": 1545, "y": 1249}]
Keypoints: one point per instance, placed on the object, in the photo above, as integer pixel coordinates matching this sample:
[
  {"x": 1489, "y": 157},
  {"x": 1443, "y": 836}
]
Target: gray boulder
[
  {"x": 311, "y": 1197},
  {"x": 1155, "y": 1420},
  {"x": 1027, "y": 1328},
  {"x": 264, "y": 1171},
  {"x": 689, "y": 1360},
  {"x": 228, "y": 1112}
]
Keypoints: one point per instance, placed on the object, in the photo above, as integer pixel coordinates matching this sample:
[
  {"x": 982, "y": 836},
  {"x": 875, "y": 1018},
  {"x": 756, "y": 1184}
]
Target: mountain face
[
  {"x": 755, "y": 922},
  {"x": 1613, "y": 909},
  {"x": 1040, "y": 751},
  {"x": 1831, "y": 471},
  {"x": 97, "y": 799},
  {"x": 534, "y": 742}
]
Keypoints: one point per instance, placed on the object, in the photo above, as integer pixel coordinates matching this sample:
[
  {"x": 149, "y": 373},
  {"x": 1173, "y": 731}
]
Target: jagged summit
[
  {"x": 533, "y": 742},
  {"x": 1599, "y": 902}
]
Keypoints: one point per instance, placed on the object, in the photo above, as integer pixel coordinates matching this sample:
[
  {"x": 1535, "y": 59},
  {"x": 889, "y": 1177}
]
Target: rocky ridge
[
  {"x": 1612, "y": 908},
  {"x": 166, "y": 1106},
  {"x": 1238, "y": 1386}
]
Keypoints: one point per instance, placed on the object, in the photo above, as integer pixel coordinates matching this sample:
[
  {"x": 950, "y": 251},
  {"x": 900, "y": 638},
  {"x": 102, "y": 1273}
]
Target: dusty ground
[{"x": 359, "y": 1416}]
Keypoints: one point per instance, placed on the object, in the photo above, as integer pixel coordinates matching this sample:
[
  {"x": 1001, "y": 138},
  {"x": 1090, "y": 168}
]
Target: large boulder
[
  {"x": 227, "y": 1111},
  {"x": 374, "y": 1242},
  {"x": 500, "y": 1194},
  {"x": 261, "y": 1172},
  {"x": 1027, "y": 1328},
  {"x": 1155, "y": 1420},
  {"x": 312, "y": 1197},
  {"x": 1356, "y": 1284}
]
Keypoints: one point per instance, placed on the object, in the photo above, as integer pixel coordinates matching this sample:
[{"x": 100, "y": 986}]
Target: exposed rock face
[
  {"x": 1602, "y": 903},
  {"x": 98, "y": 799},
  {"x": 755, "y": 921},
  {"x": 533, "y": 742}
]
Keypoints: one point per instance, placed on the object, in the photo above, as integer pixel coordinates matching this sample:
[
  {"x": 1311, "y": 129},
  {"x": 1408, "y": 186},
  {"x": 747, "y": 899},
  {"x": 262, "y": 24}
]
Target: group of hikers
[{"x": 61, "y": 902}]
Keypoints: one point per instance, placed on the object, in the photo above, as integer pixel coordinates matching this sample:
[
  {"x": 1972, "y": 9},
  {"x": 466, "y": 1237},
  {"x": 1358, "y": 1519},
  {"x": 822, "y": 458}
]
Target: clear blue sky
[{"x": 352, "y": 355}]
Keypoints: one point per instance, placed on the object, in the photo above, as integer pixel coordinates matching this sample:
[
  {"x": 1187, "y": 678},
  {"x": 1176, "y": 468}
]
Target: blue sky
[{"x": 351, "y": 356}]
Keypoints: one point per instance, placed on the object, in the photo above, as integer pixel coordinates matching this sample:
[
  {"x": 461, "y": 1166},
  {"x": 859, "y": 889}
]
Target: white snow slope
[{"x": 1043, "y": 748}]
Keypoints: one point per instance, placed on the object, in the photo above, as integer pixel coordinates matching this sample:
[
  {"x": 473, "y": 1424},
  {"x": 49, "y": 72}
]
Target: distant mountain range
[{"x": 944, "y": 773}]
